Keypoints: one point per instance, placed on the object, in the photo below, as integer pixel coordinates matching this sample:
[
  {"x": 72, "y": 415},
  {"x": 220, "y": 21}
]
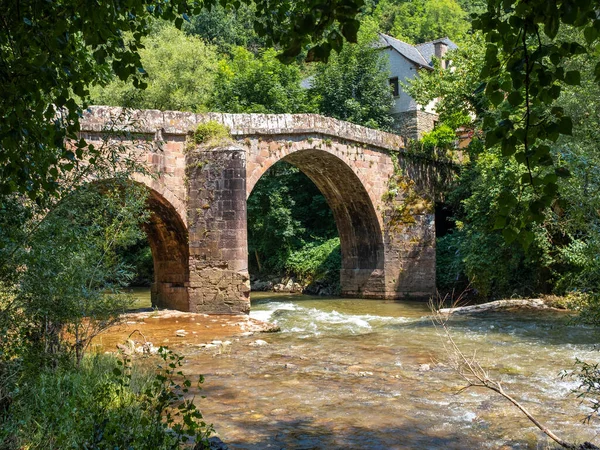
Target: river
[{"x": 369, "y": 374}]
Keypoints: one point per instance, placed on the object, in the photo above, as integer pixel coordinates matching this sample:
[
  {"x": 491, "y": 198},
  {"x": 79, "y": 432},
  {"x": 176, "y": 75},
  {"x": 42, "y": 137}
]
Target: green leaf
[
  {"x": 509, "y": 235},
  {"x": 565, "y": 126},
  {"x": 500, "y": 222},
  {"x": 551, "y": 189},
  {"x": 508, "y": 148},
  {"x": 590, "y": 34},
  {"x": 496, "y": 97},
  {"x": 526, "y": 238},
  {"x": 515, "y": 98},
  {"x": 562, "y": 172},
  {"x": 350, "y": 30},
  {"x": 551, "y": 25},
  {"x": 573, "y": 78}
]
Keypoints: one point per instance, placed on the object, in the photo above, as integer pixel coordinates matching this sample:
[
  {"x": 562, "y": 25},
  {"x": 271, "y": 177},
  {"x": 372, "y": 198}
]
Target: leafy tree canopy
[
  {"x": 529, "y": 45},
  {"x": 227, "y": 28},
  {"x": 353, "y": 85},
  {"x": 181, "y": 71},
  {"x": 246, "y": 83},
  {"x": 422, "y": 20},
  {"x": 51, "y": 52}
]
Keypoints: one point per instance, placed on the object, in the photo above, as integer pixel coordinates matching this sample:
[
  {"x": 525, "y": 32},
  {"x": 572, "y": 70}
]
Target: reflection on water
[{"x": 369, "y": 374}]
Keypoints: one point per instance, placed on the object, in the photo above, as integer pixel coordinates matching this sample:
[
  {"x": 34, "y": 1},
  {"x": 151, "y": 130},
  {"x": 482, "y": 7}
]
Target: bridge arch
[
  {"x": 356, "y": 219},
  {"x": 168, "y": 239}
]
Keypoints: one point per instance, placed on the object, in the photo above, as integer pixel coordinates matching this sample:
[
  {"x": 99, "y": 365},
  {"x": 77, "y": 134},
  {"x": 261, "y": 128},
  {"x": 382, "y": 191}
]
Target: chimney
[{"x": 439, "y": 49}]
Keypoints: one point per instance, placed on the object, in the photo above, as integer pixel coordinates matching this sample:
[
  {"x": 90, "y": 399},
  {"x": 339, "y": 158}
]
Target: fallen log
[{"x": 498, "y": 305}]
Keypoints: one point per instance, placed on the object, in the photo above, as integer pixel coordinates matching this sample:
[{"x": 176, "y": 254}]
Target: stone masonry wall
[
  {"x": 413, "y": 124},
  {"x": 219, "y": 280}
]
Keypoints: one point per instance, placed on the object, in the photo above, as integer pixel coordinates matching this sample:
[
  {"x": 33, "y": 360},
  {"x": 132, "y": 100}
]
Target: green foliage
[
  {"x": 286, "y": 213},
  {"x": 52, "y": 52},
  {"x": 227, "y": 28},
  {"x": 71, "y": 272},
  {"x": 588, "y": 375},
  {"x": 442, "y": 136},
  {"x": 450, "y": 270},
  {"x": 138, "y": 257},
  {"x": 526, "y": 69},
  {"x": 180, "y": 72},
  {"x": 478, "y": 250},
  {"x": 211, "y": 131},
  {"x": 316, "y": 261},
  {"x": 258, "y": 84},
  {"x": 59, "y": 269},
  {"x": 104, "y": 404},
  {"x": 354, "y": 84},
  {"x": 420, "y": 21},
  {"x": 459, "y": 100}
]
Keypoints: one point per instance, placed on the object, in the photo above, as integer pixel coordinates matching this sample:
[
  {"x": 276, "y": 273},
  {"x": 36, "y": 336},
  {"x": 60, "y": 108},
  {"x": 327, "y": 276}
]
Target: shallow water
[{"x": 369, "y": 374}]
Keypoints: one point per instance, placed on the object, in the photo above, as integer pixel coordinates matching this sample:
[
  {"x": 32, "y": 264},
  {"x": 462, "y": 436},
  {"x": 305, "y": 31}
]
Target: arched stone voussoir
[{"x": 157, "y": 185}]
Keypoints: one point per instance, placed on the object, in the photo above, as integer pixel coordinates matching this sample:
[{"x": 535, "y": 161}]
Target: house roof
[
  {"x": 427, "y": 49},
  {"x": 420, "y": 54}
]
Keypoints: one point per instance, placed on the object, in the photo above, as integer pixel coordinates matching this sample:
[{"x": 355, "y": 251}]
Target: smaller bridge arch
[{"x": 168, "y": 238}]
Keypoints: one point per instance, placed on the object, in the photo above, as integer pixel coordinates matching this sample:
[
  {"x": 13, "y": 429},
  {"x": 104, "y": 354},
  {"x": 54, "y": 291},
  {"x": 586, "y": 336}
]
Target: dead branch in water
[{"x": 471, "y": 371}]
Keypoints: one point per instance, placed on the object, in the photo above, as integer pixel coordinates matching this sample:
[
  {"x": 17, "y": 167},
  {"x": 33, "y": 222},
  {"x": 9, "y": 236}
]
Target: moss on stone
[{"x": 211, "y": 134}]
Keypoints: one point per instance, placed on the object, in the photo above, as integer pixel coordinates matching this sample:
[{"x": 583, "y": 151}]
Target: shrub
[
  {"x": 211, "y": 133},
  {"x": 316, "y": 261},
  {"x": 106, "y": 403}
]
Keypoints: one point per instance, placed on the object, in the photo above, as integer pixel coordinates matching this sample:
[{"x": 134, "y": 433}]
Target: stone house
[{"x": 405, "y": 61}]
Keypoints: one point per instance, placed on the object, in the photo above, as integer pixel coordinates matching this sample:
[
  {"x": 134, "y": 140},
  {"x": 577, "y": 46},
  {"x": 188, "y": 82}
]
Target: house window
[{"x": 395, "y": 87}]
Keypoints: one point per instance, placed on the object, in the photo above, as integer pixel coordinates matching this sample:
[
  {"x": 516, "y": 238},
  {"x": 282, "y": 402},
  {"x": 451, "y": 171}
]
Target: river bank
[{"x": 293, "y": 285}]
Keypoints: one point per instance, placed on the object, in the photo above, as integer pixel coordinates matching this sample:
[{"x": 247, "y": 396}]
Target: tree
[
  {"x": 227, "y": 28},
  {"x": 422, "y": 20},
  {"x": 286, "y": 212},
  {"x": 52, "y": 52},
  {"x": 59, "y": 270},
  {"x": 258, "y": 84},
  {"x": 354, "y": 85},
  {"x": 459, "y": 101},
  {"x": 525, "y": 73},
  {"x": 554, "y": 254},
  {"x": 181, "y": 71}
]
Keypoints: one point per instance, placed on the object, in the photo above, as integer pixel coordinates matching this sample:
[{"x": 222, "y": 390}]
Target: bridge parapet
[{"x": 149, "y": 122}]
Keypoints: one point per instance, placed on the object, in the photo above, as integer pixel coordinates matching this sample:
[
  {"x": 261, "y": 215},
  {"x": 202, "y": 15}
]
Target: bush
[
  {"x": 211, "y": 133},
  {"x": 317, "y": 261},
  {"x": 106, "y": 403},
  {"x": 441, "y": 137}
]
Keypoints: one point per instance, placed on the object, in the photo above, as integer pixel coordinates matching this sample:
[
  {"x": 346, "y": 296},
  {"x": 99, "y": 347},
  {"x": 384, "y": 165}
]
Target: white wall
[{"x": 404, "y": 69}]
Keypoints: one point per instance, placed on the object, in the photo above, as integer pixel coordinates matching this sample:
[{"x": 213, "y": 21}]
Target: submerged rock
[{"x": 214, "y": 443}]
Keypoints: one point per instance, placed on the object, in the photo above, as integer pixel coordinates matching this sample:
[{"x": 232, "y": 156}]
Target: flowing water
[{"x": 369, "y": 374}]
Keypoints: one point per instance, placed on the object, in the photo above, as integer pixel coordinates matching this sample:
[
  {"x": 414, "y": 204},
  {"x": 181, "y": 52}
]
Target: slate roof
[
  {"x": 420, "y": 54},
  {"x": 427, "y": 49}
]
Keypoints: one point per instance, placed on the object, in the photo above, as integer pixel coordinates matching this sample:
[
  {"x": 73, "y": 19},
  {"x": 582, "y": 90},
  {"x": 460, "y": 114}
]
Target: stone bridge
[{"x": 197, "y": 230}]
